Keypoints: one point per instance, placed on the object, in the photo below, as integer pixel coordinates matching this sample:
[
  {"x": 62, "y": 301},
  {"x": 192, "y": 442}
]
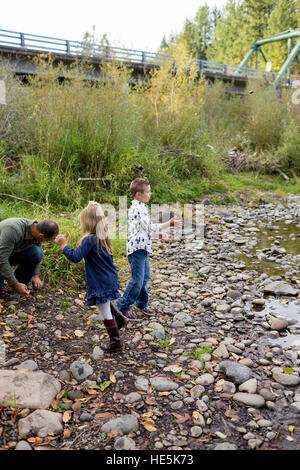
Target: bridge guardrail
[{"x": 65, "y": 46}]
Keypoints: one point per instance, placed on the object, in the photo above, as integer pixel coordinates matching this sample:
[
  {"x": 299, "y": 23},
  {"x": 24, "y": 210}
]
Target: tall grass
[{"x": 173, "y": 128}]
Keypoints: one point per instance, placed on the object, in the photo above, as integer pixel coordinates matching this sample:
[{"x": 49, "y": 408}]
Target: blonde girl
[{"x": 102, "y": 284}]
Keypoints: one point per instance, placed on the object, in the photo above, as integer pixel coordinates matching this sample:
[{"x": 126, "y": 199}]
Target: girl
[{"x": 101, "y": 275}]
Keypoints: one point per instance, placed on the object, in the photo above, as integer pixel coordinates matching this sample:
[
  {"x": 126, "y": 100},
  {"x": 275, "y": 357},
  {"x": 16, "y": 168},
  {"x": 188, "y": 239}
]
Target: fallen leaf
[
  {"x": 148, "y": 414},
  {"x": 112, "y": 378},
  {"x": 67, "y": 416},
  {"x": 220, "y": 434},
  {"x": 67, "y": 433},
  {"x": 77, "y": 405},
  {"x": 291, "y": 429},
  {"x": 103, "y": 415},
  {"x": 35, "y": 440},
  {"x": 219, "y": 385},
  {"x": 149, "y": 427},
  {"x": 150, "y": 401},
  {"x": 92, "y": 392},
  {"x": 149, "y": 424},
  {"x": 173, "y": 368},
  {"x": 104, "y": 385},
  {"x": 180, "y": 418}
]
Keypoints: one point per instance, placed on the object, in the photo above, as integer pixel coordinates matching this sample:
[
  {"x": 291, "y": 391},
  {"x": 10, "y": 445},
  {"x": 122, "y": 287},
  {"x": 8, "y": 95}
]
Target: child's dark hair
[{"x": 138, "y": 185}]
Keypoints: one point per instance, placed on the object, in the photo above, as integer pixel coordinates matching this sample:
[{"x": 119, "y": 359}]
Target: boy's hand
[
  {"x": 163, "y": 236},
  {"x": 175, "y": 222},
  {"x": 61, "y": 241}
]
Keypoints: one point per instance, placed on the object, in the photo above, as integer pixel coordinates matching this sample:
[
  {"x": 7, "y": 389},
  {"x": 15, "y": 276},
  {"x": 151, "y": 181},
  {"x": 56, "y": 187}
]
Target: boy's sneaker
[
  {"x": 129, "y": 315},
  {"x": 147, "y": 311}
]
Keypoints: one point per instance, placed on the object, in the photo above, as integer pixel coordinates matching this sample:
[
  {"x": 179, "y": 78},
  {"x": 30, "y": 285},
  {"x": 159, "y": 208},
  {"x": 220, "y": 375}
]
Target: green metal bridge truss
[{"x": 292, "y": 53}]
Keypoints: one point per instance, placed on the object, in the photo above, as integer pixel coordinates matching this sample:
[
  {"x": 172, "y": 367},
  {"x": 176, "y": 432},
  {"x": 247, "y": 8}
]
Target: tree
[
  {"x": 257, "y": 15},
  {"x": 197, "y": 33},
  {"x": 229, "y": 44},
  {"x": 282, "y": 18}
]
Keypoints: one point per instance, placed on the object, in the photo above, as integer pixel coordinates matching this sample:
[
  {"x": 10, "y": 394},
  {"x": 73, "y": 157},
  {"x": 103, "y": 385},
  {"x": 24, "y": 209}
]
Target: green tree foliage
[
  {"x": 282, "y": 18},
  {"x": 197, "y": 33},
  {"x": 226, "y": 35},
  {"x": 229, "y": 44}
]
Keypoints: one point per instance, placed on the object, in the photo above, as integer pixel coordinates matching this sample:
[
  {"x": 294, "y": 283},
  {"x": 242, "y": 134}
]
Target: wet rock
[
  {"x": 249, "y": 386},
  {"x": 81, "y": 370},
  {"x": 124, "y": 443},
  {"x": 163, "y": 384},
  {"x": 225, "y": 446},
  {"x": 142, "y": 384},
  {"x": 279, "y": 325},
  {"x": 285, "y": 379},
  {"x": 249, "y": 399},
  {"x": 280, "y": 288},
  {"x": 29, "y": 364},
  {"x": 41, "y": 423},
  {"x": 123, "y": 425},
  {"x": 235, "y": 371},
  {"x": 222, "y": 351},
  {"x": 133, "y": 397},
  {"x": 23, "y": 445},
  {"x": 157, "y": 330},
  {"x": 27, "y": 389},
  {"x": 196, "y": 431}
]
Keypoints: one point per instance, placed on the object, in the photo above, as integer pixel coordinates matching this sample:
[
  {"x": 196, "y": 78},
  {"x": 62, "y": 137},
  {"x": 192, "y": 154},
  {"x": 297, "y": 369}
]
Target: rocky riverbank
[{"x": 218, "y": 367}]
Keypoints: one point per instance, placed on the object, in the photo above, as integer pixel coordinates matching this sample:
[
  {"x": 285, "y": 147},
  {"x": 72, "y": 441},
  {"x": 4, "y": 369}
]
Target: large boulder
[{"x": 27, "y": 388}]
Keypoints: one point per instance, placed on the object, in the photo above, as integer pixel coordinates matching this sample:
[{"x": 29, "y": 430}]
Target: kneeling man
[{"x": 20, "y": 245}]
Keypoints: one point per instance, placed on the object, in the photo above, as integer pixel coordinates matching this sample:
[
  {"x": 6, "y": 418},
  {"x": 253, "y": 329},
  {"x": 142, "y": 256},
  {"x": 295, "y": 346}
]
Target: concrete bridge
[{"x": 17, "y": 51}]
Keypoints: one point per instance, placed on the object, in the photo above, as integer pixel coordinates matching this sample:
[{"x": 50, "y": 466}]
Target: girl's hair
[{"x": 92, "y": 221}]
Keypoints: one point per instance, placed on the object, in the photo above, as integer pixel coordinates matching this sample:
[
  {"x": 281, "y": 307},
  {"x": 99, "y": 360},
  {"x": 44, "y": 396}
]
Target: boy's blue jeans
[
  {"x": 26, "y": 260},
  {"x": 136, "y": 291}
]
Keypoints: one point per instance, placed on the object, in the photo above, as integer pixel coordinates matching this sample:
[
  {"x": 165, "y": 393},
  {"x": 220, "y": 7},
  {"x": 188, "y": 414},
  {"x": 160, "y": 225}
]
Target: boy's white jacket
[{"x": 140, "y": 228}]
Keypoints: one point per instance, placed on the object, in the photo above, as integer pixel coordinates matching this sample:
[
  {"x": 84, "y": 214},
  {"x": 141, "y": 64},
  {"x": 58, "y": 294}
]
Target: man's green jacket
[{"x": 15, "y": 236}]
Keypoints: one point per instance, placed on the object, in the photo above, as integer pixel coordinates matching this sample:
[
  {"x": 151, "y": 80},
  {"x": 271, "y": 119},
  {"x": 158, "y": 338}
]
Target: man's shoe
[{"x": 147, "y": 311}]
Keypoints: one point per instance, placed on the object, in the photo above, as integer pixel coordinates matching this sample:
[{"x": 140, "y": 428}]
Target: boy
[{"x": 139, "y": 244}]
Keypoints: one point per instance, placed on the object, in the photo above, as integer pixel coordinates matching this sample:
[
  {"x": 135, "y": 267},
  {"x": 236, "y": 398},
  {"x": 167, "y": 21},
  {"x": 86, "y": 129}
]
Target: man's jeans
[
  {"x": 26, "y": 260},
  {"x": 136, "y": 291}
]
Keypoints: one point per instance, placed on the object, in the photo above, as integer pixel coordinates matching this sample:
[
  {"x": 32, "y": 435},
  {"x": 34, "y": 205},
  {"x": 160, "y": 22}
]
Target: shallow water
[
  {"x": 288, "y": 309},
  {"x": 288, "y": 235}
]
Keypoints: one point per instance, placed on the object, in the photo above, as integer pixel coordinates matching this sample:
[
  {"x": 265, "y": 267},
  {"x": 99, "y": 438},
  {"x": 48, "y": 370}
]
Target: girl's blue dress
[{"x": 101, "y": 275}]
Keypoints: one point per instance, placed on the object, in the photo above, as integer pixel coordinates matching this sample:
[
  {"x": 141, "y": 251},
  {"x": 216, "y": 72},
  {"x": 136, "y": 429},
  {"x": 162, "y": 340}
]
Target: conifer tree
[
  {"x": 282, "y": 18},
  {"x": 229, "y": 44}
]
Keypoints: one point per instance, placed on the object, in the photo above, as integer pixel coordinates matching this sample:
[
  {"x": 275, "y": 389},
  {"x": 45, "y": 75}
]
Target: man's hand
[
  {"x": 22, "y": 289},
  {"x": 61, "y": 241},
  {"x": 36, "y": 282}
]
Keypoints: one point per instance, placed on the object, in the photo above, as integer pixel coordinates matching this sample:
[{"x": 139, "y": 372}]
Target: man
[{"x": 20, "y": 245}]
